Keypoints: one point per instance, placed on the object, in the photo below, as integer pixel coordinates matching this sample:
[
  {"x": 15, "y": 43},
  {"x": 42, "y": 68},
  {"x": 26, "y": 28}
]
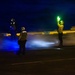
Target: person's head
[
  {"x": 22, "y": 28},
  {"x": 61, "y": 22},
  {"x": 12, "y": 19}
]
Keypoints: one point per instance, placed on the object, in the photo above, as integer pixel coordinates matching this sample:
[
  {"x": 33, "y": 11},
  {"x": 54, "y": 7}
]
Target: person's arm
[
  {"x": 20, "y": 36},
  {"x": 58, "y": 24}
]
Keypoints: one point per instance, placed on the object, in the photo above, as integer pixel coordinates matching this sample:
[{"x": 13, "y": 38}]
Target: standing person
[
  {"x": 13, "y": 28},
  {"x": 22, "y": 41},
  {"x": 13, "y": 23},
  {"x": 60, "y": 32}
]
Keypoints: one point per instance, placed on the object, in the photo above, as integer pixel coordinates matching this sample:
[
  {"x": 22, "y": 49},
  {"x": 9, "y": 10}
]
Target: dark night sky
[{"x": 36, "y": 15}]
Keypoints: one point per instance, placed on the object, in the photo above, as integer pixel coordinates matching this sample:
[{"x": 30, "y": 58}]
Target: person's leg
[
  {"x": 23, "y": 52},
  {"x": 61, "y": 40},
  {"x": 24, "y": 47},
  {"x": 20, "y": 48}
]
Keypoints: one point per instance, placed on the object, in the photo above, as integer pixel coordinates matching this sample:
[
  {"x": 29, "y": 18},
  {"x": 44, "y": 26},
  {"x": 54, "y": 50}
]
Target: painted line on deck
[{"x": 35, "y": 62}]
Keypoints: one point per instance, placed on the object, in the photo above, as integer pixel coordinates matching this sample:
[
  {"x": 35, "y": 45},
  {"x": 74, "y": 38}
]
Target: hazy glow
[
  {"x": 36, "y": 42},
  {"x": 40, "y": 43},
  {"x": 9, "y": 45},
  {"x": 58, "y": 18}
]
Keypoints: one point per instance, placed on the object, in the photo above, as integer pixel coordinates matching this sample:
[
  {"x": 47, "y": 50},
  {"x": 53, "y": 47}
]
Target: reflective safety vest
[
  {"x": 23, "y": 35},
  {"x": 60, "y": 28}
]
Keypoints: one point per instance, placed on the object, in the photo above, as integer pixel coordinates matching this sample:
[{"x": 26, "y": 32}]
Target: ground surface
[{"x": 53, "y": 61}]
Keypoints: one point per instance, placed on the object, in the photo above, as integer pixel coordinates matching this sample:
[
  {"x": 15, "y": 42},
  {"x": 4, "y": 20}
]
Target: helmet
[
  {"x": 22, "y": 28},
  {"x": 61, "y": 22},
  {"x": 12, "y": 19}
]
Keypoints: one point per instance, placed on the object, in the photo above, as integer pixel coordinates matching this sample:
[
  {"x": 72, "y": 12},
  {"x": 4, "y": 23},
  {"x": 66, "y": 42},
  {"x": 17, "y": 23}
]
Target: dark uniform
[
  {"x": 22, "y": 42},
  {"x": 60, "y": 34}
]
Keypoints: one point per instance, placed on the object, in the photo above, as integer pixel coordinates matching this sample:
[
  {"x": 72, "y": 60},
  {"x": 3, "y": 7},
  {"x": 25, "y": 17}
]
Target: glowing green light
[{"x": 58, "y": 18}]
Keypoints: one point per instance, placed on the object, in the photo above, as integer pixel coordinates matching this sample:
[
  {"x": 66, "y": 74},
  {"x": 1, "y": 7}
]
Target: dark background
[{"x": 36, "y": 15}]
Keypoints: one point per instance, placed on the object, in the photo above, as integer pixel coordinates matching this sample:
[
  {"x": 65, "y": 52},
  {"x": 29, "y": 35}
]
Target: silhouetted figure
[
  {"x": 60, "y": 33},
  {"x": 13, "y": 23},
  {"x": 13, "y": 28},
  {"x": 22, "y": 41}
]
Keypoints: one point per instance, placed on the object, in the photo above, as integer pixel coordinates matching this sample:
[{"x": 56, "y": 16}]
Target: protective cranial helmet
[
  {"x": 12, "y": 19},
  {"x": 22, "y": 28},
  {"x": 61, "y": 22}
]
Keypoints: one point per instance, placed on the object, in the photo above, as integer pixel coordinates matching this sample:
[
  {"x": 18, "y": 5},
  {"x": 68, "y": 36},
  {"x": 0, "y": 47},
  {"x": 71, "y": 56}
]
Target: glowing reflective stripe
[{"x": 23, "y": 31}]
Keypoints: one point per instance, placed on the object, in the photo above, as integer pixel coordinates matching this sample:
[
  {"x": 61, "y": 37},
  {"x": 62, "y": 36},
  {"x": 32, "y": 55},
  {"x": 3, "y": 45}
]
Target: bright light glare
[
  {"x": 39, "y": 43},
  {"x": 58, "y": 18}
]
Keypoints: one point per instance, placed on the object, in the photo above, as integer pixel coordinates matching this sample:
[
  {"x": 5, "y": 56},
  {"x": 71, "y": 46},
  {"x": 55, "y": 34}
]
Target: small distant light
[
  {"x": 58, "y": 48},
  {"x": 13, "y": 22},
  {"x": 8, "y": 34},
  {"x": 43, "y": 33},
  {"x": 57, "y": 42},
  {"x": 18, "y": 34}
]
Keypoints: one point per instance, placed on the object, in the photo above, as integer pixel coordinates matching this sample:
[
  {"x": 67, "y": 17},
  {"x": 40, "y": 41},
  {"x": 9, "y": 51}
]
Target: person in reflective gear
[
  {"x": 60, "y": 33},
  {"x": 22, "y": 41}
]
